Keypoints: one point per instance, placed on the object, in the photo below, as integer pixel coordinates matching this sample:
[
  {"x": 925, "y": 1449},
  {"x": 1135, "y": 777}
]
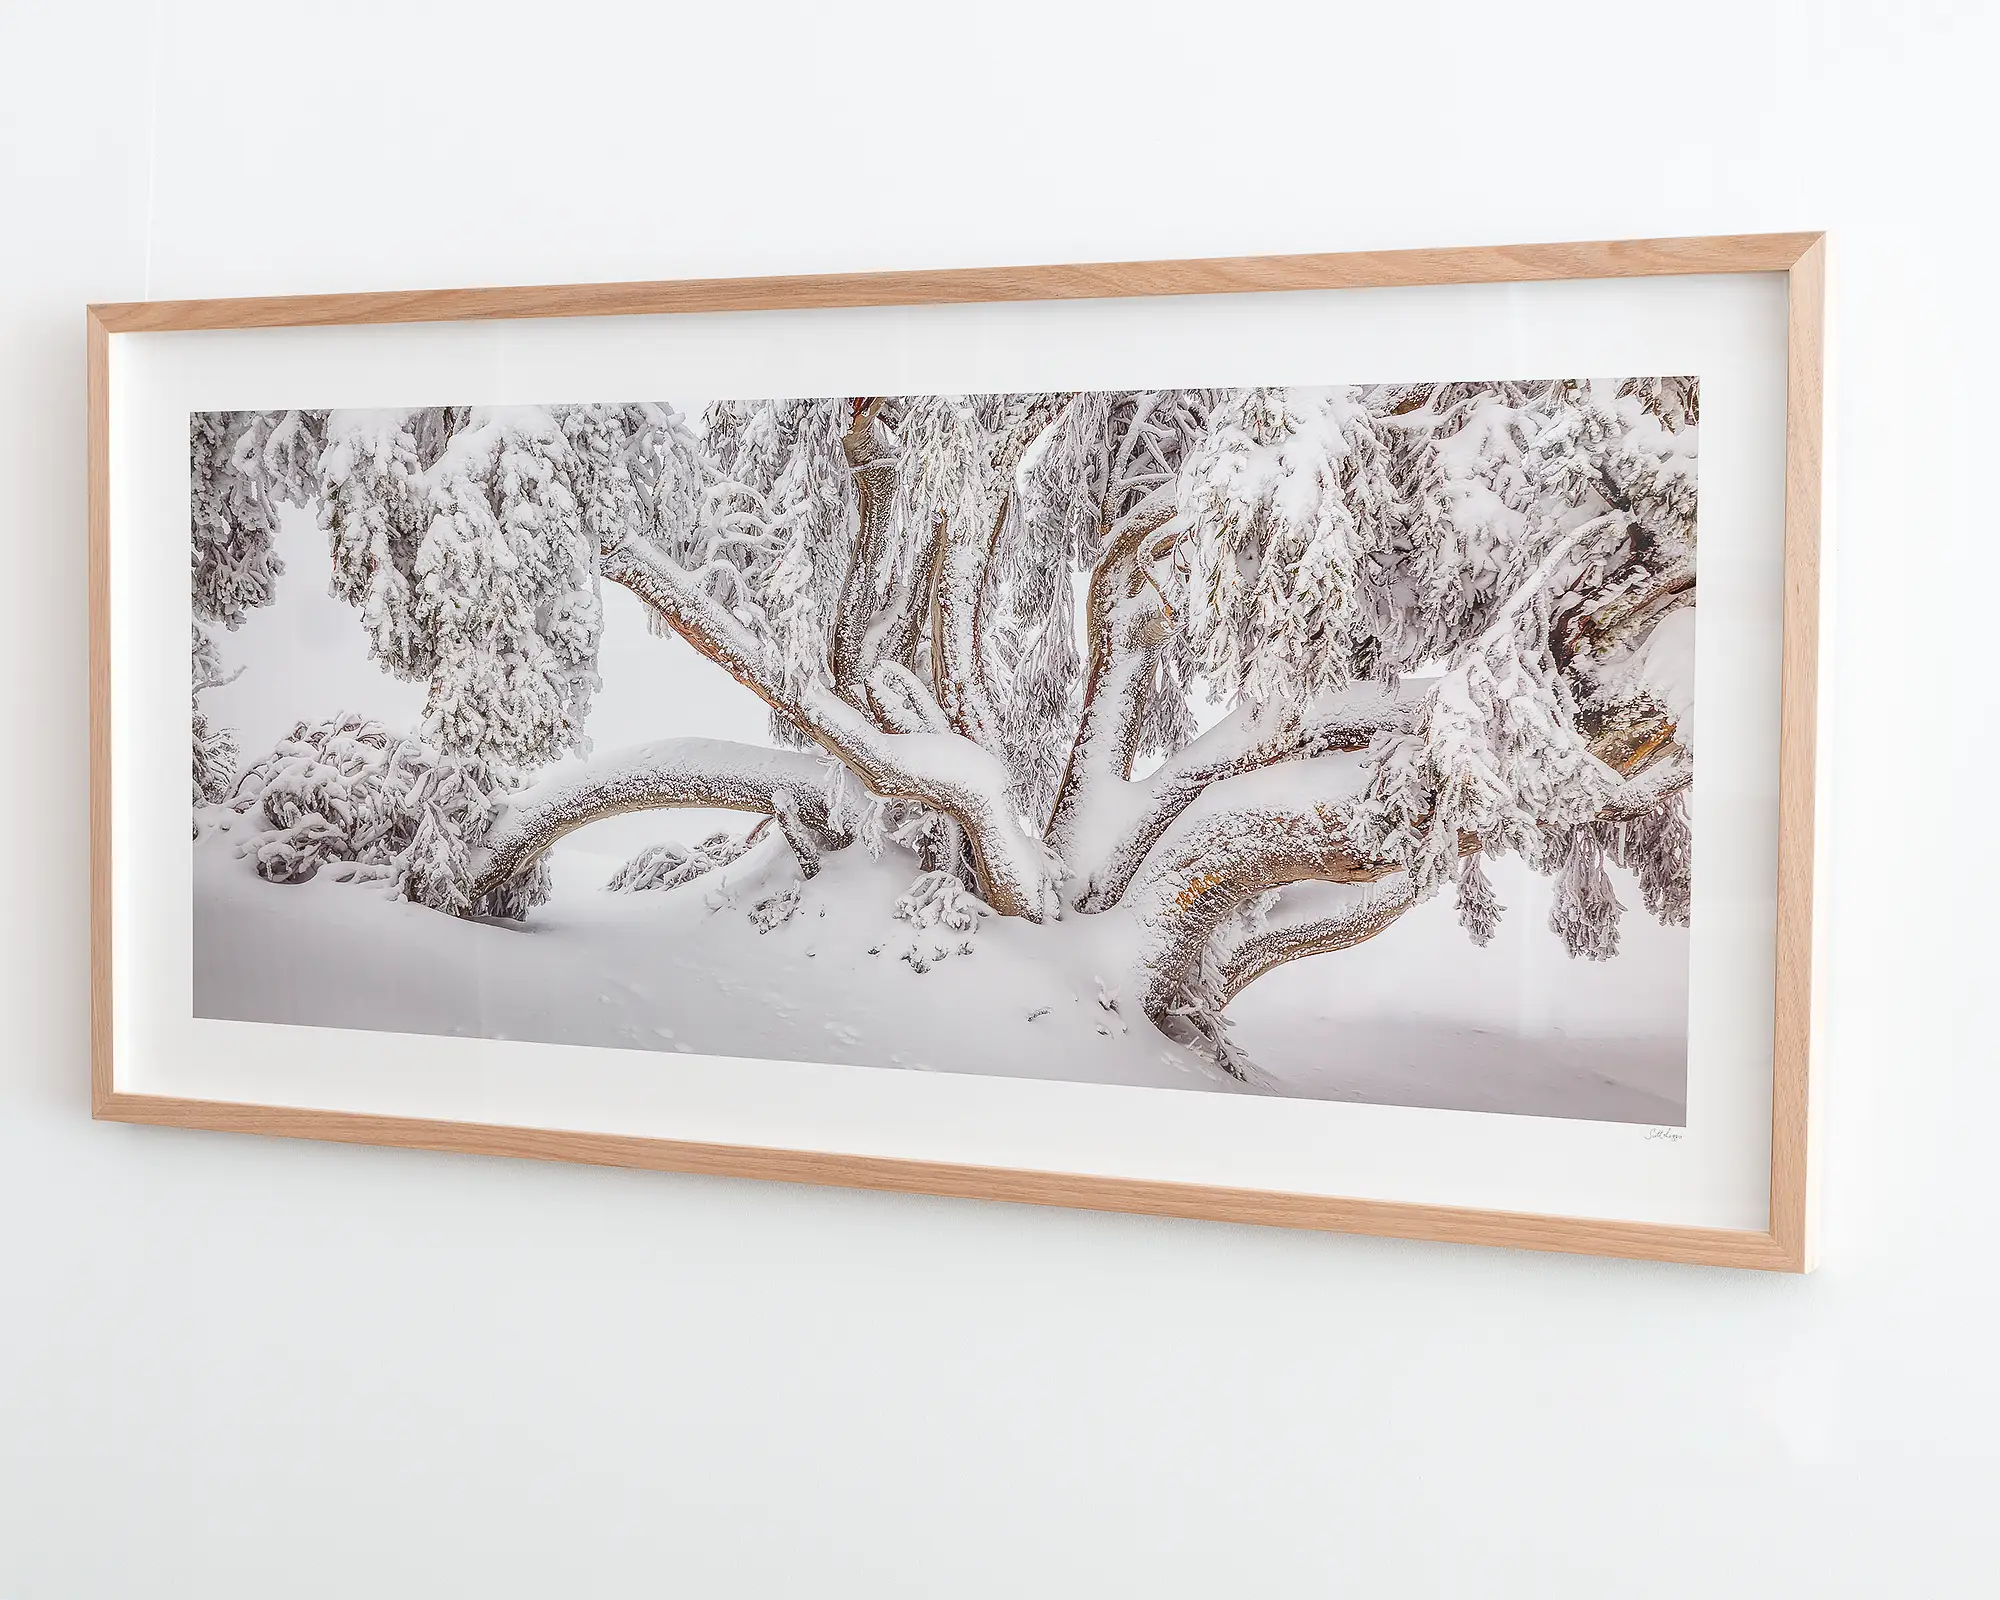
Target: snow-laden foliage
[
  {"x": 1524, "y": 536},
  {"x": 332, "y": 791},
  {"x": 861, "y": 816},
  {"x": 1498, "y": 760},
  {"x": 1098, "y": 469},
  {"x": 348, "y": 790},
  {"x": 777, "y": 503},
  {"x": 942, "y": 482},
  {"x": 215, "y": 749},
  {"x": 1366, "y": 532},
  {"x": 243, "y": 466},
  {"x": 1478, "y": 906},
  {"x": 1291, "y": 500},
  {"x": 775, "y": 909},
  {"x": 468, "y": 540},
  {"x": 668, "y": 865},
  {"x": 939, "y": 900},
  {"x": 453, "y": 804},
  {"x": 1587, "y": 908},
  {"x": 1657, "y": 847}
]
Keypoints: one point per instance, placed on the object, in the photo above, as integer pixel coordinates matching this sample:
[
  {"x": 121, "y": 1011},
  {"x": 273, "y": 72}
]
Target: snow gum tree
[{"x": 1247, "y": 673}]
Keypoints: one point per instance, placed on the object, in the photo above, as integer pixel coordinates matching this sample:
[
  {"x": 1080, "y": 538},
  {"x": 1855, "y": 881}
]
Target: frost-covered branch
[
  {"x": 1130, "y": 621},
  {"x": 1243, "y": 837},
  {"x": 944, "y": 771},
  {"x": 857, "y": 622},
  {"x": 1309, "y": 919},
  {"x": 959, "y": 582},
  {"x": 901, "y": 701},
  {"x": 969, "y": 485},
  {"x": 1296, "y": 823},
  {"x": 805, "y": 836},
  {"x": 1600, "y": 628},
  {"x": 665, "y": 773},
  {"x": 1108, "y": 838}
]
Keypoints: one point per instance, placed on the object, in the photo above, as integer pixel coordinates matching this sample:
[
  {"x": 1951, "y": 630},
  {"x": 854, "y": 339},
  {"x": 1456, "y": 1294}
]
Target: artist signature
[{"x": 1671, "y": 1135}]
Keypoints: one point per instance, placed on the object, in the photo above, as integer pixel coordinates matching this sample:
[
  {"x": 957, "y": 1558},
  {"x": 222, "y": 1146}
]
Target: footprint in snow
[{"x": 844, "y": 1033}]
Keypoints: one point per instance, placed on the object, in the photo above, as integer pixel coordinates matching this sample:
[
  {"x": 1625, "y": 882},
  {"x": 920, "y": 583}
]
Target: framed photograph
[{"x": 1324, "y": 741}]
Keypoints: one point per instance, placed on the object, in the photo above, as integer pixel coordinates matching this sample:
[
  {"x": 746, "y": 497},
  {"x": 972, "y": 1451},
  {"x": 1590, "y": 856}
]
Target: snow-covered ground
[
  {"x": 682, "y": 969},
  {"x": 1417, "y": 1017},
  {"x": 1420, "y": 1016}
]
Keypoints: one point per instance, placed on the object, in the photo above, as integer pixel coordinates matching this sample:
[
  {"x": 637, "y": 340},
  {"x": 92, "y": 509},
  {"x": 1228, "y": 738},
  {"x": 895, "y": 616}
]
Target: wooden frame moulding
[{"x": 1786, "y": 1245}]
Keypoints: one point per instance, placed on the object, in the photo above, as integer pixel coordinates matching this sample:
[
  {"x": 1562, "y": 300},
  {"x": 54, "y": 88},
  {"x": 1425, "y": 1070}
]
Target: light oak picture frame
[{"x": 1787, "y": 1244}]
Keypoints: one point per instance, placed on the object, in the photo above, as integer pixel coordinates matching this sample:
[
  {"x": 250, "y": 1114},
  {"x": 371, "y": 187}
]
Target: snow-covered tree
[
  {"x": 242, "y": 466},
  {"x": 1248, "y": 673},
  {"x": 215, "y": 749}
]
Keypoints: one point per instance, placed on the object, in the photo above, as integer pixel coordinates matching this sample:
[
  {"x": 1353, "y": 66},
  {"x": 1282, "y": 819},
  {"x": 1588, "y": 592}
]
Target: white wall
[{"x": 238, "y": 1368}]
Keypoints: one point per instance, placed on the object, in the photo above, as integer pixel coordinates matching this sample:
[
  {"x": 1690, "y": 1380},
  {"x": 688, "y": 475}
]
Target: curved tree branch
[
  {"x": 1105, "y": 859},
  {"x": 1310, "y": 920},
  {"x": 1249, "y": 834},
  {"x": 901, "y": 702},
  {"x": 1242, "y": 837},
  {"x": 1618, "y": 621},
  {"x": 661, "y": 774}
]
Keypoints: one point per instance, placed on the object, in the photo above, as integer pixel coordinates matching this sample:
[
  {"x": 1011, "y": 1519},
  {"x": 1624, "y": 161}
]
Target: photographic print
[{"x": 1333, "y": 743}]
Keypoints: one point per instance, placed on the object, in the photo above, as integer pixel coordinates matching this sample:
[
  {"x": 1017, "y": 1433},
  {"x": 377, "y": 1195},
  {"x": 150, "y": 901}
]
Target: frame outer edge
[
  {"x": 1614, "y": 258},
  {"x": 98, "y": 498},
  {"x": 1787, "y": 1245},
  {"x": 1793, "y": 1111},
  {"x": 1642, "y": 1241}
]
